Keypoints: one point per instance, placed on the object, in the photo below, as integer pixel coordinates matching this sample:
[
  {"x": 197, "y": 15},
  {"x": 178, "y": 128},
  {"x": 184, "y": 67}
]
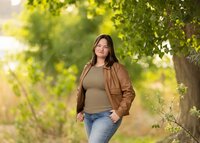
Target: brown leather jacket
[{"x": 118, "y": 87}]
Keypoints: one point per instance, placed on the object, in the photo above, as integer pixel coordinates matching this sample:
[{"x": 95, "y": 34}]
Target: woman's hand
[
  {"x": 80, "y": 116},
  {"x": 114, "y": 117}
]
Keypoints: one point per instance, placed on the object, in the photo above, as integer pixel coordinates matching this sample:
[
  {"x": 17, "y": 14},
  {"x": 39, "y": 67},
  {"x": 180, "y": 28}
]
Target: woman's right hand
[{"x": 80, "y": 116}]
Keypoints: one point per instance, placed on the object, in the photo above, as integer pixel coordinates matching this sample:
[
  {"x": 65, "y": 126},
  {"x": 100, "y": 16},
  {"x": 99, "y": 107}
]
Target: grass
[
  {"x": 8, "y": 101},
  {"x": 135, "y": 128},
  {"x": 120, "y": 138}
]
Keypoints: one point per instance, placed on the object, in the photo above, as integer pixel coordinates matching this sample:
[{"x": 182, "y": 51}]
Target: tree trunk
[{"x": 189, "y": 74}]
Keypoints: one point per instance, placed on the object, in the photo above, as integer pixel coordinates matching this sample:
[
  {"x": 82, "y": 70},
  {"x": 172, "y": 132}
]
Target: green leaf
[{"x": 16, "y": 89}]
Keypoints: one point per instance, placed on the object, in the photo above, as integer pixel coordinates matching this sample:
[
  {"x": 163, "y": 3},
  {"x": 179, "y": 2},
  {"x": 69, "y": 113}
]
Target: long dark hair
[{"x": 111, "y": 58}]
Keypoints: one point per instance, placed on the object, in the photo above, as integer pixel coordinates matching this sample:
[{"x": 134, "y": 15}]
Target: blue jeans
[{"x": 100, "y": 127}]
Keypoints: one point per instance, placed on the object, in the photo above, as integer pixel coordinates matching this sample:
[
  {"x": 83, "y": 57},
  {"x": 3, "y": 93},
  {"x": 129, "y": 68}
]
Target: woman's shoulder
[
  {"x": 89, "y": 63},
  {"x": 120, "y": 69},
  {"x": 118, "y": 65},
  {"x": 86, "y": 66}
]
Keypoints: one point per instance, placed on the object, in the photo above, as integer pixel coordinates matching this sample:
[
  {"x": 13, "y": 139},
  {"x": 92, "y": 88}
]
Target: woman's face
[{"x": 102, "y": 49}]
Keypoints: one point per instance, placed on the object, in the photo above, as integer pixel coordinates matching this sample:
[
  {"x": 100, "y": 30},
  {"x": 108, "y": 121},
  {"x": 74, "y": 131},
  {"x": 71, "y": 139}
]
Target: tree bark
[{"x": 189, "y": 74}]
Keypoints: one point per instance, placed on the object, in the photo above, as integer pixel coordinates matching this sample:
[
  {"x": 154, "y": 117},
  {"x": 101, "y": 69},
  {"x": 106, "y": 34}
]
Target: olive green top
[{"x": 96, "y": 99}]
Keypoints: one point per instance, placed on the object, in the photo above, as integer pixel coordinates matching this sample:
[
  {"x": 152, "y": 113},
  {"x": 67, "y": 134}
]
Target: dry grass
[
  {"x": 7, "y": 133},
  {"x": 137, "y": 124},
  {"x": 7, "y": 101}
]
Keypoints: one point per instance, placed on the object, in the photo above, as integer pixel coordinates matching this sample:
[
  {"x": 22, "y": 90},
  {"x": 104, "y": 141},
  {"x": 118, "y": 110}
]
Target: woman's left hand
[{"x": 114, "y": 117}]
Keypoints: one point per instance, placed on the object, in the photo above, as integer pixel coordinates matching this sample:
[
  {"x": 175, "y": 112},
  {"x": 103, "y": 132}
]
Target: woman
[{"x": 105, "y": 92}]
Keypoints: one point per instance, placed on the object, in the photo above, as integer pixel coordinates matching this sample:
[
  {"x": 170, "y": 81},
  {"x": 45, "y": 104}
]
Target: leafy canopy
[
  {"x": 158, "y": 26},
  {"x": 147, "y": 27}
]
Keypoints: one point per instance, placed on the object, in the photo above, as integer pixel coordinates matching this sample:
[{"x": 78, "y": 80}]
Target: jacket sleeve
[
  {"x": 128, "y": 93},
  {"x": 80, "y": 91},
  {"x": 79, "y": 96}
]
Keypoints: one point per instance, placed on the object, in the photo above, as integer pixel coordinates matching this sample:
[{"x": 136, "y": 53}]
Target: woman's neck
[{"x": 100, "y": 62}]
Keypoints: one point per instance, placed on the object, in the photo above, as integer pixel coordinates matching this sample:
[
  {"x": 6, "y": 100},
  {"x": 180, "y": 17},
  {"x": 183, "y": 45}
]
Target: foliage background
[{"x": 57, "y": 47}]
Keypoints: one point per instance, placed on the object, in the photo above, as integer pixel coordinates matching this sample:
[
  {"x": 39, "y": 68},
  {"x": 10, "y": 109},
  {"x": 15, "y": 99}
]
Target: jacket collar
[{"x": 105, "y": 67}]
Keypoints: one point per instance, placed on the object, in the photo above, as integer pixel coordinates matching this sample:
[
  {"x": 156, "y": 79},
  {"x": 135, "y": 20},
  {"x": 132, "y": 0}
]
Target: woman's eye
[{"x": 102, "y": 46}]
